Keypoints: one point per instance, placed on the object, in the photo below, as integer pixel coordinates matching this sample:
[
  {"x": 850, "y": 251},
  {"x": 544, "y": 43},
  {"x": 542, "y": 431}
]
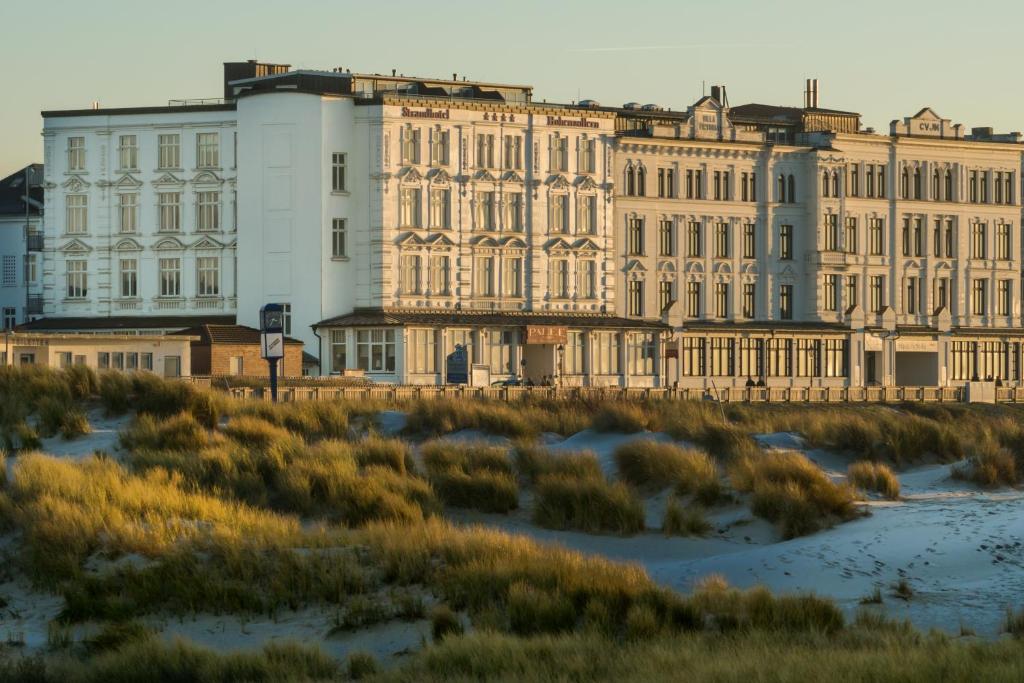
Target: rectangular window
[
  {"x": 1004, "y": 300},
  {"x": 409, "y": 140},
  {"x": 718, "y": 185},
  {"x": 9, "y": 277},
  {"x": 339, "y": 160},
  {"x": 831, "y": 293},
  {"x": 514, "y": 212},
  {"x": 851, "y": 291},
  {"x": 117, "y": 360},
  {"x": 877, "y": 293},
  {"x": 786, "y": 302},
  {"x": 749, "y": 299},
  {"x": 512, "y": 276},
  {"x": 559, "y": 220},
  {"x": 666, "y": 295},
  {"x": 636, "y": 298},
  {"x": 876, "y": 233},
  {"x": 170, "y": 276},
  {"x": 831, "y": 232},
  {"x": 721, "y": 299},
  {"x": 780, "y": 357},
  {"x": 439, "y": 147},
  {"x": 439, "y": 275},
  {"x": 1003, "y": 242},
  {"x": 918, "y": 236},
  {"x": 129, "y": 278},
  {"x": 128, "y": 152},
  {"x": 586, "y": 285},
  {"x": 723, "y": 357},
  {"x": 587, "y": 220},
  {"x": 913, "y": 295},
  {"x": 950, "y": 238},
  {"x": 440, "y": 208},
  {"x": 786, "y": 242},
  {"x": 513, "y": 152},
  {"x": 979, "y": 297},
  {"x": 693, "y": 359},
  {"x": 207, "y": 150},
  {"x": 749, "y": 241},
  {"x": 207, "y": 276},
  {"x": 169, "y": 209},
  {"x": 635, "y": 236},
  {"x": 721, "y": 240},
  {"x": 499, "y": 350},
  {"x": 834, "y": 359},
  {"x": 855, "y": 181},
  {"x": 588, "y": 156},
  {"x": 559, "y": 157},
  {"x": 422, "y": 351},
  {"x": 76, "y": 154},
  {"x": 339, "y": 355},
  {"x": 850, "y": 236},
  {"x": 375, "y": 350},
  {"x": 77, "y": 214},
  {"x": 409, "y": 280},
  {"x": 749, "y": 355},
  {"x": 666, "y": 238},
  {"x": 693, "y": 298},
  {"x": 978, "y": 240},
  {"x": 77, "y": 279},
  {"x": 31, "y": 267},
  {"x": 574, "y": 353},
  {"x": 485, "y": 150},
  {"x": 485, "y": 211},
  {"x": 483, "y": 276},
  {"x": 808, "y": 357},
  {"x": 128, "y": 212},
  {"x": 169, "y": 148},
  {"x": 606, "y": 353},
  {"x": 338, "y": 243},
  {"x": 941, "y": 292},
  {"x": 207, "y": 211},
  {"x": 694, "y": 240},
  {"x": 640, "y": 353},
  {"x": 410, "y": 203}
]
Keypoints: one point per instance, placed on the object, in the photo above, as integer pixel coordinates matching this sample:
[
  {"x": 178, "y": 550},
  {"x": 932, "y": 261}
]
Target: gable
[
  {"x": 127, "y": 244},
  {"x": 169, "y": 179},
  {"x": 75, "y": 246},
  {"x": 207, "y": 243},
  {"x": 168, "y": 244},
  {"x": 207, "y": 178},
  {"x": 75, "y": 184}
]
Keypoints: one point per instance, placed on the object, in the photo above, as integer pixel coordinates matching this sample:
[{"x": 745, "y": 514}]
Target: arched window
[
  {"x": 781, "y": 192},
  {"x": 792, "y": 190},
  {"x": 949, "y": 185},
  {"x": 935, "y": 186},
  {"x": 824, "y": 183},
  {"x": 641, "y": 182},
  {"x": 917, "y": 182},
  {"x": 630, "y": 182},
  {"x": 835, "y": 183},
  {"x": 905, "y": 184}
]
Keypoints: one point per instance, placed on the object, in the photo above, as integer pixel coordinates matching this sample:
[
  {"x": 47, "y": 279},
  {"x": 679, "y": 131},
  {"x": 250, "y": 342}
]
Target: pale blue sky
[{"x": 884, "y": 58}]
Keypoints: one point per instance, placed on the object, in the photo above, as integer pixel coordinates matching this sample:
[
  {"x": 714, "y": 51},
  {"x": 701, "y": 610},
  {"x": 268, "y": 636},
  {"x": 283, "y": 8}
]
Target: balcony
[
  {"x": 34, "y": 241},
  {"x": 34, "y": 304}
]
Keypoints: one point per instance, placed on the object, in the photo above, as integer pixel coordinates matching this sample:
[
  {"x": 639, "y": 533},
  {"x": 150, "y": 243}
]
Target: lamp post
[{"x": 272, "y": 340}]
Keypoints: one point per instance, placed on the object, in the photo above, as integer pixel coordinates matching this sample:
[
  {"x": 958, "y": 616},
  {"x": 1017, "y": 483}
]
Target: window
[
  {"x": 693, "y": 357},
  {"x": 574, "y": 353},
  {"x": 748, "y": 186},
  {"x": 586, "y": 221},
  {"x": 834, "y": 358},
  {"x": 693, "y": 298},
  {"x": 881, "y": 182},
  {"x": 512, "y": 276},
  {"x": 722, "y": 354},
  {"x": 513, "y": 152},
  {"x": 514, "y": 212},
  {"x": 31, "y": 267},
  {"x": 77, "y": 214},
  {"x": 807, "y": 357},
  {"x": 721, "y": 186},
  {"x": 485, "y": 208},
  {"x": 207, "y": 150},
  {"x": 338, "y": 245},
  {"x": 906, "y": 237},
  {"x": 339, "y": 356},
  {"x": 588, "y": 155},
  {"x": 949, "y": 185},
  {"x": 666, "y": 295},
  {"x": 338, "y": 181},
  {"x": 207, "y": 211},
  {"x": 170, "y": 276},
  {"x": 641, "y": 181},
  {"x": 791, "y": 183},
  {"x": 979, "y": 297},
  {"x": 128, "y": 205},
  {"x": 606, "y": 353},
  {"x": 439, "y": 275},
  {"x": 439, "y": 148},
  {"x": 869, "y": 180},
  {"x": 913, "y": 295},
  {"x": 983, "y": 193},
  {"x": 409, "y": 140},
  {"x": 851, "y": 291},
  {"x": 905, "y": 184},
  {"x": 786, "y": 242},
  {"x": 559, "y": 213},
  {"x": 694, "y": 184},
  {"x": 972, "y": 187},
  {"x": 1003, "y": 241},
  {"x": 831, "y": 293},
  {"x": 876, "y": 235},
  {"x": 721, "y": 299},
  {"x": 917, "y": 182},
  {"x": 780, "y": 357},
  {"x": 978, "y": 240},
  {"x": 1004, "y": 300},
  {"x": 499, "y": 350},
  {"x": 853, "y": 189},
  {"x": 483, "y": 276},
  {"x": 749, "y": 356},
  {"x": 941, "y": 292},
  {"x": 145, "y": 361},
  {"x": 950, "y": 237},
  {"x": 586, "y": 274},
  {"x": 721, "y": 240},
  {"x": 77, "y": 279},
  {"x": 635, "y": 236},
  {"x": 169, "y": 148},
  {"x": 850, "y": 235},
  {"x": 375, "y": 350},
  {"x": 76, "y": 154},
  {"x": 103, "y": 360},
  {"x": 636, "y": 297},
  {"x": 877, "y": 293},
  {"x": 666, "y": 238},
  {"x": 440, "y": 208},
  {"x": 169, "y": 208},
  {"x": 780, "y": 190},
  {"x": 128, "y": 152},
  {"x": 998, "y": 187},
  {"x": 824, "y": 184},
  {"x": 749, "y": 299},
  {"x": 630, "y": 181},
  {"x": 485, "y": 150},
  {"x": 749, "y": 241},
  {"x": 207, "y": 276},
  {"x": 918, "y": 236},
  {"x": 422, "y": 351},
  {"x": 694, "y": 239},
  {"x": 786, "y": 302},
  {"x": 129, "y": 278},
  {"x": 559, "y": 155},
  {"x": 409, "y": 207},
  {"x": 936, "y": 186},
  {"x": 666, "y": 182},
  {"x": 640, "y": 352},
  {"x": 64, "y": 360},
  {"x": 409, "y": 275},
  {"x": 831, "y": 229},
  {"x": 9, "y": 277}
]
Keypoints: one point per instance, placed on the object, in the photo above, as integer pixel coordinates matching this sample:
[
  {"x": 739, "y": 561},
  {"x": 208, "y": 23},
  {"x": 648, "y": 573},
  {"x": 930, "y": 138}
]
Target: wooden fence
[{"x": 394, "y": 393}]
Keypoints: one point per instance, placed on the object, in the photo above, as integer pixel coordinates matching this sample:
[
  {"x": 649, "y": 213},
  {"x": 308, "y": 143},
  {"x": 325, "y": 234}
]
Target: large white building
[
  {"x": 21, "y": 206},
  {"x": 433, "y": 230}
]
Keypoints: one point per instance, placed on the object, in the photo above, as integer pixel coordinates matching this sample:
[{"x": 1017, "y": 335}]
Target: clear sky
[{"x": 883, "y": 58}]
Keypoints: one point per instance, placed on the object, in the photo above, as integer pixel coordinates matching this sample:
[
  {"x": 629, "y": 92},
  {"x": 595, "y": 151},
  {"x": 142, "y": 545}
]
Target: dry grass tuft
[
  {"x": 471, "y": 475},
  {"x": 533, "y": 462},
  {"x": 591, "y": 505},
  {"x": 990, "y": 466},
  {"x": 659, "y": 465},
  {"x": 683, "y": 520},
  {"x": 874, "y": 476}
]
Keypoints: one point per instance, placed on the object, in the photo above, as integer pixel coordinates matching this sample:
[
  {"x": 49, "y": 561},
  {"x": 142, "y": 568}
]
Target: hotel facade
[{"x": 430, "y": 231}]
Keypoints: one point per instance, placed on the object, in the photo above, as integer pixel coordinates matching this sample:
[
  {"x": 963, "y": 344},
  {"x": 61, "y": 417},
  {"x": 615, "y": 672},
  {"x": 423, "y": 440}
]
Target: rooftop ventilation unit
[{"x": 590, "y": 104}]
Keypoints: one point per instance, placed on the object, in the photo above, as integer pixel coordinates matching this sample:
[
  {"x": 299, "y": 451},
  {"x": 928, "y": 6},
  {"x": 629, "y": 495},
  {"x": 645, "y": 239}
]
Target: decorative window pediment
[
  {"x": 666, "y": 267},
  {"x": 207, "y": 243},
  {"x": 635, "y": 266},
  {"x": 586, "y": 184},
  {"x": 76, "y": 247},
  {"x": 409, "y": 239},
  {"x": 439, "y": 176},
  {"x": 513, "y": 243},
  {"x": 127, "y": 181},
  {"x": 557, "y": 245},
  {"x": 169, "y": 244},
  {"x": 439, "y": 240},
  {"x": 586, "y": 244},
  {"x": 127, "y": 244},
  {"x": 207, "y": 178},
  {"x": 410, "y": 175},
  {"x": 694, "y": 267},
  {"x": 485, "y": 242},
  {"x": 558, "y": 182},
  {"x": 169, "y": 180},
  {"x": 512, "y": 177},
  {"x": 787, "y": 272},
  {"x": 75, "y": 184},
  {"x": 485, "y": 175},
  {"x": 749, "y": 269}
]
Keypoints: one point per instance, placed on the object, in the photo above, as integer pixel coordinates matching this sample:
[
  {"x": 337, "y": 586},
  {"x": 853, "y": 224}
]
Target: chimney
[
  {"x": 716, "y": 93},
  {"x": 815, "y": 92},
  {"x": 807, "y": 94}
]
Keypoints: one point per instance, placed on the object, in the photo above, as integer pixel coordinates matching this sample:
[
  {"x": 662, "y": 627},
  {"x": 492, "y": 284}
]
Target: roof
[
  {"x": 775, "y": 112},
  {"x": 125, "y": 322},
  {"x": 394, "y": 318},
  {"x": 228, "y": 334},
  {"x": 768, "y": 325},
  {"x": 123, "y": 111},
  {"x": 12, "y": 192}
]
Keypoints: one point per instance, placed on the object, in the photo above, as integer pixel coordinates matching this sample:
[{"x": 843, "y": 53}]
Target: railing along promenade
[{"x": 395, "y": 393}]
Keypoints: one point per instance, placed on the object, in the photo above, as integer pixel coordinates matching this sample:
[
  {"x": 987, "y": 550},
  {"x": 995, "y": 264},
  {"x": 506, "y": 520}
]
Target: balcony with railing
[
  {"x": 34, "y": 240},
  {"x": 34, "y": 304}
]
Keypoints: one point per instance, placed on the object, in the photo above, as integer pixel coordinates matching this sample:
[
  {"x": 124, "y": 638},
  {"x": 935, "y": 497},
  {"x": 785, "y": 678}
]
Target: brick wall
[{"x": 252, "y": 365}]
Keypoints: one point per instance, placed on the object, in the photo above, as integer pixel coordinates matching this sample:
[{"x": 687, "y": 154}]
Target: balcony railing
[
  {"x": 34, "y": 241},
  {"x": 34, "y": 304}
]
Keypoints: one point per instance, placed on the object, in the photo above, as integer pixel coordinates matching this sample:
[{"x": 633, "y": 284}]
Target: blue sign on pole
[{"x": 458, "y": 366}]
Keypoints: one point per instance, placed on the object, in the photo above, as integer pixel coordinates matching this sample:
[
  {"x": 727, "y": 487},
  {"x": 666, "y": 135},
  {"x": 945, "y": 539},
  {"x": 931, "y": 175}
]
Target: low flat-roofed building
[
  {"x": 165, "y": 355},
  {"x": 219, "y": 350}
]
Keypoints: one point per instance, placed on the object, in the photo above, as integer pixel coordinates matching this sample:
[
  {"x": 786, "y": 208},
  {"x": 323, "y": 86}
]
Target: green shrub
[
  {"x": 115, "y": 392},
  {"x": 874, "y": 476},
  {"x": 655, "y": 464},
  {"x": 684, "y": 521},
  {"x": 532, "y": 610},
  {"x": 392, "y": 453},
  {"x": 444, "y": 622},
  {"x": 534, "y": 462},
  {"x": 362, "y": 665},
  {"x": 591, "y": 505}
]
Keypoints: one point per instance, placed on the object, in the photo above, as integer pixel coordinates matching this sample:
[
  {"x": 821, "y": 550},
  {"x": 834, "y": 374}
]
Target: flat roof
[{"x": 122, "y": 111}]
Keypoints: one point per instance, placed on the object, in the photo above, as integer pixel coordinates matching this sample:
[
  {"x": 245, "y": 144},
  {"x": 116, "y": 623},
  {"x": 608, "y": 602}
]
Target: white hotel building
[{"x": 405, "y": 221}]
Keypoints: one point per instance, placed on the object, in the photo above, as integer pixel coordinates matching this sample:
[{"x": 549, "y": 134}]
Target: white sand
[{"x": 103, "y": 437}]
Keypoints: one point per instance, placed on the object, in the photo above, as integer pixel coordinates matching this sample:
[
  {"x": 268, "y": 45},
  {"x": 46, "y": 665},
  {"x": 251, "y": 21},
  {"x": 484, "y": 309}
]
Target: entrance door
[{"x": 871, "y": 367}]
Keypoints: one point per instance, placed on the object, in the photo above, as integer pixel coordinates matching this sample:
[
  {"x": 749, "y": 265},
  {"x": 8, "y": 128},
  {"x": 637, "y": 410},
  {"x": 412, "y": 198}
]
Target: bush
[
  {"x": 115, "y": 392},
  {"x": 534, "y": 462},
  {"x": 990, "y": 466},
  {"x": 392, "y": 453},
  {"x": 624, "y": 416},
  {"x": 658, "y": 465},
  {"x": 532, "y": 610},
  {"x": 874, "y": 476},
  {"x": 471, "y": 475},
  {"x": 444, "y": 622},
  {"x": 361, "y": 665},
  {"x": 591, "y": 505},
  {"x": 74, "y": 423},
  {"x": 790, "y": 490},
  {"x": 684, "y": 521}
]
